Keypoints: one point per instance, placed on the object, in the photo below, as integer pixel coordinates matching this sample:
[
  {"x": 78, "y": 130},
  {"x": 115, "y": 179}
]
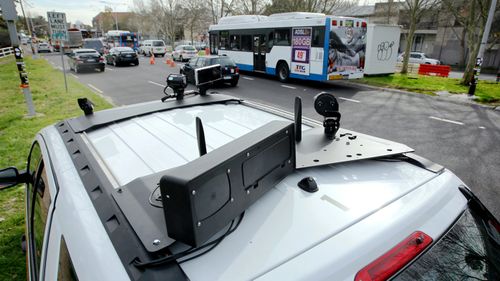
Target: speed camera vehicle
[{"x": 212, "y": 187}]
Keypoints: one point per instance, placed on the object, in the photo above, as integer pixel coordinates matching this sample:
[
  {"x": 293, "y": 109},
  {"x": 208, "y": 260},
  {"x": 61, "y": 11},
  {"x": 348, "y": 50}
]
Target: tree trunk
[
  {"x": 469, "y": 69},
  {"x": 409, "y": 42}
]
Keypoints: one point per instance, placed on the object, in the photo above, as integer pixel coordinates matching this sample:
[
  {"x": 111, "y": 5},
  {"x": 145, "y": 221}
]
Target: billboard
[
  {"x": 301, "y": 50},
  {"x": 346, "y": 54}
]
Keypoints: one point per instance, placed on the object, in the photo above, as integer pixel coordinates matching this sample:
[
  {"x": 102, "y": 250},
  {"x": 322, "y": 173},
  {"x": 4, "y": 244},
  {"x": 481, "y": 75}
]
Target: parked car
[
  {"x": 96, "y": 44},
  {"x": 230, "y": 72},
  {"x": 96, "y": 187},
  {"x": 89, "y": 59},
  {"x": 184, "y": 52},
  {"x": 44, "y": 47},
  {"x": 122, "y": 55},
  {"x": 155, "y": 47},
  {"x": 420, "y": 58}
]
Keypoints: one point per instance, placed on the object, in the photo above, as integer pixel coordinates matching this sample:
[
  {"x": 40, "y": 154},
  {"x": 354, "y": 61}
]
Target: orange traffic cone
[
  {"x": 172, "y": 64},
  {"x": 152, "y": 60},
  {"x": 167, "y": 61}
]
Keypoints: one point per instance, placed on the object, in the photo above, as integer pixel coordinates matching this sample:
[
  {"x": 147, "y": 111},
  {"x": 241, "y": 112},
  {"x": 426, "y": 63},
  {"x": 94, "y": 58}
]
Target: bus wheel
[{"x": 283, "y": 72}]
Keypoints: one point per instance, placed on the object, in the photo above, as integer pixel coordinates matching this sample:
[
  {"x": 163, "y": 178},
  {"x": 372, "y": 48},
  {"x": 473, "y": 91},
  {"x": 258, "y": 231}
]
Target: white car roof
[{"x": 286, "y": 222}]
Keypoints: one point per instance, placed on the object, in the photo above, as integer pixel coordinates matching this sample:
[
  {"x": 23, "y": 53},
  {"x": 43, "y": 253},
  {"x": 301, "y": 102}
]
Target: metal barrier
[
  {"x": 6, "y": 52},
  {"x": 434, "y": 70}
]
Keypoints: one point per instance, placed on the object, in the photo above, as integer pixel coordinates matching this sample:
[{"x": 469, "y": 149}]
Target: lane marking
[
  {"x": 446, "y": 120},
  {"x": 289, "y": 87},
  {"x": 74, "y": 75},
  {"x": 95, "y": 88},
  {"x": 349, "y": 99},
  {"x": 157, "y": 84},
  {"x": 109, "y": 68},
  {"x": 481, "y": 127},
  {"x": 247, "y": 78}
]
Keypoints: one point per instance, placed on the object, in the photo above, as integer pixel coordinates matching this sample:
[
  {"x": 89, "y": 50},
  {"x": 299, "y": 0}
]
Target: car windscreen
[
  {"x": 223, "y": 61},
  {"x": 188, "y": 48},
  {"x": 158, "y": 43},
  {"x": 470, "y": 250},
  {"x": 93, "y": 44}
]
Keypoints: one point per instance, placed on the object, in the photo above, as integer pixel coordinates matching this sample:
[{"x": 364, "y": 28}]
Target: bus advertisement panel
[
  {"x": 346, "y": 54},
  {"x": 301, "y": 48}
]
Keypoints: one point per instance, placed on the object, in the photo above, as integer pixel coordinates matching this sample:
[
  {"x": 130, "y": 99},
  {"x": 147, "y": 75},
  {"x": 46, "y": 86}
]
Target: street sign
[{"x": 58, "y": 25}]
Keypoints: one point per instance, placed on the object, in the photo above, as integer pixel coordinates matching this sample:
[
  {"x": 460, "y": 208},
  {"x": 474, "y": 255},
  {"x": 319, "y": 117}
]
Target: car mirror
[{"x": 10, "y": 177}]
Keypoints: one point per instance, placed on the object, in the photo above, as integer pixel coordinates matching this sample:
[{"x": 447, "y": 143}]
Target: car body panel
[{"x": 86, "y": 239}]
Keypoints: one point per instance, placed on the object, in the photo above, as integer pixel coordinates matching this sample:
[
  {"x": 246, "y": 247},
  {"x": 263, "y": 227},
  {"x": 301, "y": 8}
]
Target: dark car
[
  {"x": 230, "y": 72},
  {"x": 122, "y": 55},
  {"x": 96, "y": 44},
  {"x": 90, "y": 59}
]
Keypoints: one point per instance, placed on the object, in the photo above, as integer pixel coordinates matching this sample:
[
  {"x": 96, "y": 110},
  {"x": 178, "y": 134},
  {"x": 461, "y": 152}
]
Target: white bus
[{"x": 308, "y": 46}]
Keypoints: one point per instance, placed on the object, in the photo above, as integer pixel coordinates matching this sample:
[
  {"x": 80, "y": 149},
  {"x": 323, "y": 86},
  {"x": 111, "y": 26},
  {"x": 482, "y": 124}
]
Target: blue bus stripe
[{"x": 326, "y": 49}]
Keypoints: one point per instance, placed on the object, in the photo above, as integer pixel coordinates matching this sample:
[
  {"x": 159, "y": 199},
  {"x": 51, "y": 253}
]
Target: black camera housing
[{"x": 327, "y": 106}]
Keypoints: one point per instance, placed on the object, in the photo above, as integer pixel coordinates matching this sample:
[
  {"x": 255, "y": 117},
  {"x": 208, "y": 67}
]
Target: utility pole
[
  {"x": 10, "y": 15},
  {"x": 482, "y": 47}
]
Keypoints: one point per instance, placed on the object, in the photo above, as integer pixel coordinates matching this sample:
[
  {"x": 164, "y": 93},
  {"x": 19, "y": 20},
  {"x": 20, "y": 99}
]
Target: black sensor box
[{"x": 203, "y": 196}]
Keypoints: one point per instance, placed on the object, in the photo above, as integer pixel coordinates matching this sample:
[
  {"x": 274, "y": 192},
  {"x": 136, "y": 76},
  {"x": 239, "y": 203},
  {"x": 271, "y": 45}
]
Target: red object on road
[
  {"x": 434, "y": 70},
  {"x": 152, "y": 60}
]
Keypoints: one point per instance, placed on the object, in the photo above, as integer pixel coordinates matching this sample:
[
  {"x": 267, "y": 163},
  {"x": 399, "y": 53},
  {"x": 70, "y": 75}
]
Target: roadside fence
[{"x": 6, "y": 52}]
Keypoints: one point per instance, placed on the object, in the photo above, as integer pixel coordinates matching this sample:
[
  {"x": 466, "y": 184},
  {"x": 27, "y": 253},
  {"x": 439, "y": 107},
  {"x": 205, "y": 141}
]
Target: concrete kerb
[{"x": 441, "y": 98}]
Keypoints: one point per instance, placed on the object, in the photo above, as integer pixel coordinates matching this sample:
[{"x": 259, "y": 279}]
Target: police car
[{"x": 211, "y": 187}]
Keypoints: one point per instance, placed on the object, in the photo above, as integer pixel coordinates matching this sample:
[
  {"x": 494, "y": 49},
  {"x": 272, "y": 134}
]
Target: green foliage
[
  {"x": 488, "y": 92},
  {"x": 52, "y": 104}
]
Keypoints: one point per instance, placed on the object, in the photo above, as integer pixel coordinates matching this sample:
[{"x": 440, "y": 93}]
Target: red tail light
[
  {"x": 396, "y": 258},
  {"x": 101, "y": 59},
  {"x": 357, "y": 24},
  {"x": 363, "y": 24},
  {"x": 334, "y": 22},
  {"x": 237, "y": 70}
]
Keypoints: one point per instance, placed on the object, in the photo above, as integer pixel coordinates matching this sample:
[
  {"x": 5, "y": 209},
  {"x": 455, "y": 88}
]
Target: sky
[
  {"x": 85, "y": 10},
  {"x": 76, "y": 10}
]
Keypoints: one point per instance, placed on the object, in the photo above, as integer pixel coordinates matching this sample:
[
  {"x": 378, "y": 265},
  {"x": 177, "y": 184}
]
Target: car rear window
[
  {"x": 93, "y": 44},
  {"x": 158, "y": 43},
  {"x": 470, "y": 250},
  {"x": 223, "y": 61},
  {"x": 188, "y": 48}
]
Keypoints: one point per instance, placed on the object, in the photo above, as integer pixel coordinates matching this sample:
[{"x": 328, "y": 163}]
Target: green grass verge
[
  {"x": 16, "y": 135},
  {"x": 487, "y": 92}
]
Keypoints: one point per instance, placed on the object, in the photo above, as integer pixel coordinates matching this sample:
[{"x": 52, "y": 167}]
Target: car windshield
[
  {"x": 86, "y": 52},
  {"x": 92, "y": 44},
  {"x": 469, "y": 251},
  {"x": 188, "y": 48},
  {"x": 158, "y": 43},
  {"x": 223, "y": 61}
]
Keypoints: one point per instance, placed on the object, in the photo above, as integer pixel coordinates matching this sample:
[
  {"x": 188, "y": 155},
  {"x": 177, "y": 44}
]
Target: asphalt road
[{"x": 463, "y": 138}]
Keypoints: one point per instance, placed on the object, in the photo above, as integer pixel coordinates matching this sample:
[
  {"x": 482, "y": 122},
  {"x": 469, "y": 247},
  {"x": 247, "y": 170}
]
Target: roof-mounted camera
[{"x": 327, "y": 106}]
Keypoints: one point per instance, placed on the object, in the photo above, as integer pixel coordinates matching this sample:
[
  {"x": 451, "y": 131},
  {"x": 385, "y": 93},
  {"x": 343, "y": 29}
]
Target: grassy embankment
[
  {"x": 52, "y": 104},
  {"x": 487, "y": 92}
]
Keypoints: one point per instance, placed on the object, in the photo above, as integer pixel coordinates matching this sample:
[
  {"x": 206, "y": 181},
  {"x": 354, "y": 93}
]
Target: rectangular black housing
[{"x": 205, "y": 195}]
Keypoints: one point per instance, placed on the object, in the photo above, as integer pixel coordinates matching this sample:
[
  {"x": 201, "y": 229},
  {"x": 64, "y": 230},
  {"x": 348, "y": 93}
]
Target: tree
[
  {"x": 472, "y": 16},
  {"x": 194, "y": 12},
  {"x": 252, "y": 7},
  {"x": 317, "y": 6},
  {"x": 415, "y": 9},
  {"x": 221, "y": 8}
]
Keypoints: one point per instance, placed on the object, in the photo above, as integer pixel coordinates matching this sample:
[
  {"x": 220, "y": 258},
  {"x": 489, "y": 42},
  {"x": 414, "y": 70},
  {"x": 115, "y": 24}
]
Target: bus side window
[
  {"x": 318, "y": 36},
  {"x": 235, "y": 42},
  {"x": 270, "y": 42},
  {"x": 282, "y": 37},
  {"x": 224, "y": 40},
  {"x": 246, "y": 42}
]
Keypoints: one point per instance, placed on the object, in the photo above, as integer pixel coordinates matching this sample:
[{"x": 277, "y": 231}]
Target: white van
[{"x": 156, "y": 47}]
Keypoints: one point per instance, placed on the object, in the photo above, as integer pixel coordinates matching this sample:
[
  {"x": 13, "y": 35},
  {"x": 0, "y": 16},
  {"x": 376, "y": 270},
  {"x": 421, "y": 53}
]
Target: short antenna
[
  {"x": 200, "y": 137},
  {"x": 298, "y": 119}
]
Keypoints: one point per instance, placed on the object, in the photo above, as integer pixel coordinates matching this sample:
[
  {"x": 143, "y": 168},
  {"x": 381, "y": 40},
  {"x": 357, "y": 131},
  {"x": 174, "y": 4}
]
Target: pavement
[{"x": 462, "y": 137}]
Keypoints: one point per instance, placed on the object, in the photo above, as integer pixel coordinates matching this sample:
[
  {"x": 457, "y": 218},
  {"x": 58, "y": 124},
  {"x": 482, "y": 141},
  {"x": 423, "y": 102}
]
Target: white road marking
[
  {"x": 109, "y": 68},
  {"x": 481, "y": 127},
  {"x": 95, "y": 88},
  {"x": 74, "y": 75},
  {"x": 349, "y": 99},
  {"x": 289, "y": 87},
  {"x": 157, "y": 84},
  {"x": 446, "y": 120},
  {"x": 247, "y": 78}
]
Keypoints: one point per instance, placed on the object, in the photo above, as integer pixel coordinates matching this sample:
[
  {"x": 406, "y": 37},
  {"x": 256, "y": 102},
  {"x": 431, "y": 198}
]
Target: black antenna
[
  {"x": 200, "y": 136},
  {"x": 298, "y": 119}
]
